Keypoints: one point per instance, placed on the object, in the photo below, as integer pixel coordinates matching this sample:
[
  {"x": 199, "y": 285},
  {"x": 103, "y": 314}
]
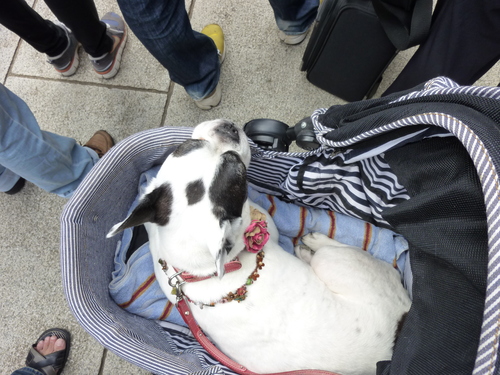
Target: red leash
[{"x": 186, "y": 314}]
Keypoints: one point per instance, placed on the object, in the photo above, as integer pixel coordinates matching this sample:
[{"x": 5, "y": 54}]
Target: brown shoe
[{"x": 100, "y": 142}]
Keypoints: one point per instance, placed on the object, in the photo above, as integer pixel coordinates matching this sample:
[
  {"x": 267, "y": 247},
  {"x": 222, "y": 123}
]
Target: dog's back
[{"x": 291, "y": 320}]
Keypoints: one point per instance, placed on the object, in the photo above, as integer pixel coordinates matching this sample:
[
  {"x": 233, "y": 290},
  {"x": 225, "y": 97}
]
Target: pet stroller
[{"x": 423, "y": 164}]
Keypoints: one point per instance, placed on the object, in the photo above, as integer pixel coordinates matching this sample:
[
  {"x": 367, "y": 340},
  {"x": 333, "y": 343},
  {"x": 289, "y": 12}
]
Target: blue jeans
[
  {"x": 190, "y": 57},
  {"x": 27, "y": 371},
  {"x": 55, "y": 163}
]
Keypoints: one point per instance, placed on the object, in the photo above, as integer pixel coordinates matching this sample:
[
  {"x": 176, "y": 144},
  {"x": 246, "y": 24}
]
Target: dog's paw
[
  {"x": 316, "y": 240},
  {"x": 304, "y": 253}
]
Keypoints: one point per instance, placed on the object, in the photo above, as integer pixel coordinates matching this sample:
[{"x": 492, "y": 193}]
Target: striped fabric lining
[
  {"x": 273, "y": 173},
  {"x": 362, "y": 190},
  {"x": 185, "y": 344}
]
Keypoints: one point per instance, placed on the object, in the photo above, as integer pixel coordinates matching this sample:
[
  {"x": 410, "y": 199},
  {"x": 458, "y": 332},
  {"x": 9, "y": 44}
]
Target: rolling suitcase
[{"x": 353, "y": 42}]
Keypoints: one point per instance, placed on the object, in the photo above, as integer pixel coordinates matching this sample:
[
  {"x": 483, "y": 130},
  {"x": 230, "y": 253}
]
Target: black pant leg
[
  {"x": 41, "y": 34},
  {"x": 463, "y": 44},
  {"x": 82, "y": 18}
]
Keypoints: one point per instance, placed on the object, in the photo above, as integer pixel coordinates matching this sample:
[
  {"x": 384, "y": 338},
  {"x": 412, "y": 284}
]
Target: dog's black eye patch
[
  {"x": 195, "y": 192},
  {"x": 228, "y": 191},
  {"x": 188, "y": 146}
]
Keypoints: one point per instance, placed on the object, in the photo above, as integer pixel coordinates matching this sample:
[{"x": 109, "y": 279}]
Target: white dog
[{"x": 335, "y": 308}]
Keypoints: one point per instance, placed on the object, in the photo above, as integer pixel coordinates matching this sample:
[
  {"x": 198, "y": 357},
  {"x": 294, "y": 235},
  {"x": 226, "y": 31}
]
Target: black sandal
[{"x": 51, "y": 364}]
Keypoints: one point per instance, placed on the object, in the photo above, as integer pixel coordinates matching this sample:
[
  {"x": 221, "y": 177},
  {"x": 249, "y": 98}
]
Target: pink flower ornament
[{"x": 256, "y": 236}]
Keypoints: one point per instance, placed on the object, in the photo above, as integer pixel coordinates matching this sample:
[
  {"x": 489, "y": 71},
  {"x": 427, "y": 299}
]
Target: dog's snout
[
  {"x": 229, "y": 126},
  {"x": 228, "y": 130},
  {"x": 223, "y": 135}
]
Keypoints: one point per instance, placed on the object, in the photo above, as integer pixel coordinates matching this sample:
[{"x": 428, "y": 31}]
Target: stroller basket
[{"x": 439, "y": 141}]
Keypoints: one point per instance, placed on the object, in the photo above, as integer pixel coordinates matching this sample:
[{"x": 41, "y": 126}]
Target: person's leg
[
  {"x": 164, "y": 28},
  {"x": 41, "y": 34},
  {"x": 103, "y": 39},
  {"x": 9, "y": 181},
  {"x": 81, "y": 17},
  {"x": 463, "y": 44},
  {"x": 27, "y": 371},
  {"x": 60, "y": 43},
  {"x": 55, "y": 163},
  {"x": 294, "y": 16}
]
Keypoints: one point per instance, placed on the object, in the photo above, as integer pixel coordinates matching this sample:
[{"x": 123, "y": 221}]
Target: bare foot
[
  {"x": 50, "y": 345},
  {"x": 49, "y": 355}
]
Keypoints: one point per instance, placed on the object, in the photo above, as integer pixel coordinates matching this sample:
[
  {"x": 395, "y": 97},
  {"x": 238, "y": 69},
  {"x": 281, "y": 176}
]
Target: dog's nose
[
  {"x": 229, "y": 126},
  {"x": 228, "y": 130}
]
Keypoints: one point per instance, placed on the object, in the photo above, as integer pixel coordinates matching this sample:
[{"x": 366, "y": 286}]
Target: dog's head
[{"x": 197, "y": 204}]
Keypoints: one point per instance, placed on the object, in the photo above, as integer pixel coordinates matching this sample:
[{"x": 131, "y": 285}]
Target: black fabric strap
[{"x": 405, "y": 27}]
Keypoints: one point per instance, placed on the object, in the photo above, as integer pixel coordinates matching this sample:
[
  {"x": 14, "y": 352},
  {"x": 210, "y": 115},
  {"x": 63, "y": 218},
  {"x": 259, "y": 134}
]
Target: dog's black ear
[{"x": 154, "y": 207}]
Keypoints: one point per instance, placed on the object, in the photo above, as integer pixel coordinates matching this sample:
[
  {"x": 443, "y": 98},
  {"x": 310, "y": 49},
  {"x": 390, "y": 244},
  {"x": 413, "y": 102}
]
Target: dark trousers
[
  {"x": 78, "y": 15},
  {"x": 463, "y": 44}
]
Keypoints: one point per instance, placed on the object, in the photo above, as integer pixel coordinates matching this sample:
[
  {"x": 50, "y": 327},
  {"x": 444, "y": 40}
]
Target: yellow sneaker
[{"x": 214, "y": 32}]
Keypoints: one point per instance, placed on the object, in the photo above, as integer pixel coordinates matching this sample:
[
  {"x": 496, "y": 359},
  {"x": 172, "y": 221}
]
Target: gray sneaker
[
  {"x": 67, "y": 62},
  {"x": 107, "y": 66},
  {"x": 292, "y": 39}
]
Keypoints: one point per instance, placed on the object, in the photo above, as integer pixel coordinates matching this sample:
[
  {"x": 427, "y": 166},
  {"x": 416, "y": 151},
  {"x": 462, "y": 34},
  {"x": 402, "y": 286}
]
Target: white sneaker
[
  {"x": 212, "y": 100},
  {"x": 292, "y": 39}
]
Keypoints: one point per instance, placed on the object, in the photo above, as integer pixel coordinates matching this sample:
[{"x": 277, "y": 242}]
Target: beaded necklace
[{"x": 241, "y": 293}]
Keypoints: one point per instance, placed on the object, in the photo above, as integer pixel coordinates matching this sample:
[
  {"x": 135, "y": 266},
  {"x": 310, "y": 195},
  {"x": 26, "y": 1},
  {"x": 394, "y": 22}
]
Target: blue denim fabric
[
  {"x": 294, "y": 16},
  {"x": 190, "y": 57},
  {"x": 164, "y": 28},
  {"x": 27, "y": 371},
  {"x": 55, "y": 163}
]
